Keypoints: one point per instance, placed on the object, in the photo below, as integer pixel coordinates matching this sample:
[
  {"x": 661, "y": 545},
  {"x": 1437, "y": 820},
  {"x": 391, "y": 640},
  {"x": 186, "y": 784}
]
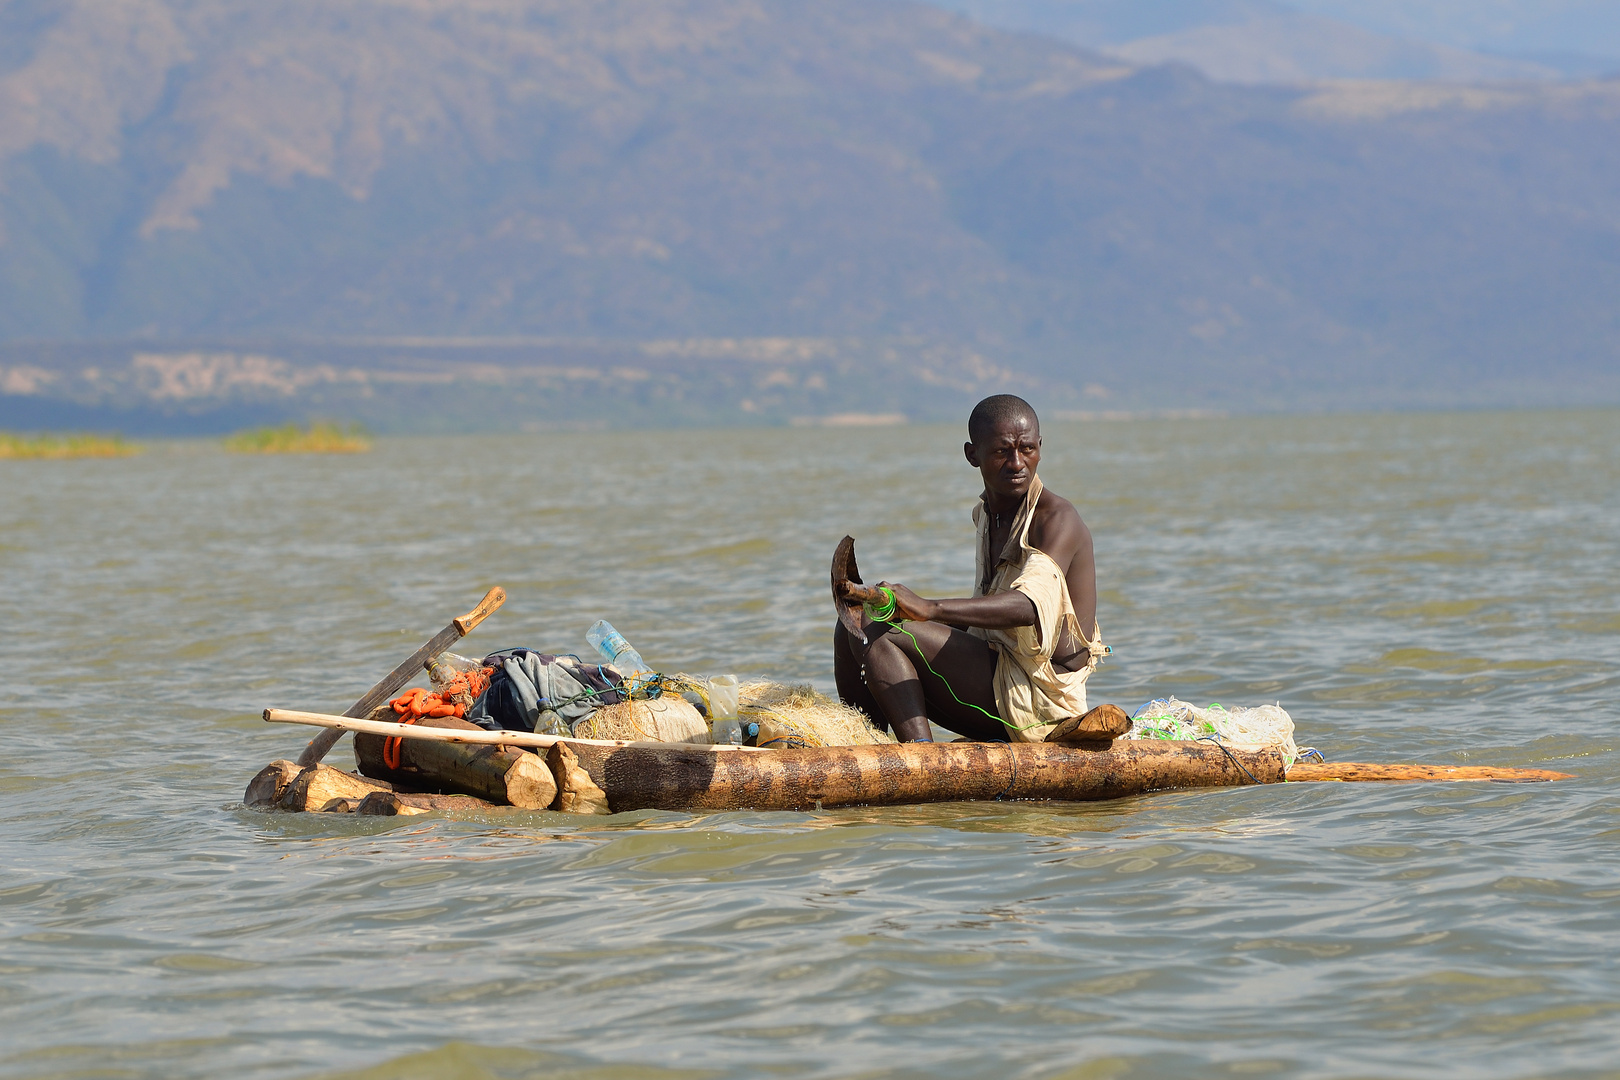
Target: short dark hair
[{"x": 994, "y": 411}]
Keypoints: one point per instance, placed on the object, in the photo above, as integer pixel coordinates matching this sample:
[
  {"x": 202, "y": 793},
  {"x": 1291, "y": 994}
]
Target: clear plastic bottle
[
  {"x": 727, "y": 727},
  {"x": 612, "y": 647},
  {"x": 447, "y": 665}
]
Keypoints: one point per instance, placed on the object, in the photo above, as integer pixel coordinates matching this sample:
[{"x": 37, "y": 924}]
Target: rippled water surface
[{"x": 1415, "y": 588}]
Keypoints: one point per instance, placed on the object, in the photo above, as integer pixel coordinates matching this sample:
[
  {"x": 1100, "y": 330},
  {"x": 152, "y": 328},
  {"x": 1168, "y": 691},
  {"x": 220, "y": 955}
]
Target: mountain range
[
  {"x": 1295, "y": 41},
  {"x": 895, "y": 206}
]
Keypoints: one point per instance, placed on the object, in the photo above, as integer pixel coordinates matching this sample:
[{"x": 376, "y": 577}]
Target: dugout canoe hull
[{"x": 659, "y": 778}]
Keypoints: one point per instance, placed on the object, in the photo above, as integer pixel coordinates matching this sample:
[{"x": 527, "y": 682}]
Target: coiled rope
[{"x": 451, "y": 699}]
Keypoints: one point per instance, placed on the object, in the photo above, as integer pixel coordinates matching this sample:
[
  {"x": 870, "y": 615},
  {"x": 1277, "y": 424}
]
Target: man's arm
[
  {"x": 1063, "y": 536},
  {"x": 1000, "y": 612}
]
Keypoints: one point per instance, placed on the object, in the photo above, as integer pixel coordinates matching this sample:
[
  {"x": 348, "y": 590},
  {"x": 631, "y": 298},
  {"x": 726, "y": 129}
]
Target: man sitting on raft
[{"x": 1010, "y": 662}]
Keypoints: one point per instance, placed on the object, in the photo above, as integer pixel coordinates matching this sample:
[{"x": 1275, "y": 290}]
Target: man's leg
[
  {"x": 930, "y": 671},
  {"x": 849, "y": 672}
]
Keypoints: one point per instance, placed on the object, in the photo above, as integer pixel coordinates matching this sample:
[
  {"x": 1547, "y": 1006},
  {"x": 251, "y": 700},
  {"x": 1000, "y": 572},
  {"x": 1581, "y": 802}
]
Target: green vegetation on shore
[
  {"x": 323, "y": 438},
  {"x": 17, "y": 447}
]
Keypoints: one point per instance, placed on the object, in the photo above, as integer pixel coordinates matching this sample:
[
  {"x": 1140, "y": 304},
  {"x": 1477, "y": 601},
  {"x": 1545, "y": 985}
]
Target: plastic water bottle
[
  {"x": 615, "y": 650},
  {"x": 727, "y": 727},
  {"x": 447, "y": 665}
]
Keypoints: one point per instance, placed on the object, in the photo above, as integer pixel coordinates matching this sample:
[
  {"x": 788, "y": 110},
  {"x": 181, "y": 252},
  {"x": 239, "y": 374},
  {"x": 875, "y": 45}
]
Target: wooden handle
[
  {"x": 866, "y": 594},
  {"x": 486, "y": 607},
  {"x": 320, "y": 745}
]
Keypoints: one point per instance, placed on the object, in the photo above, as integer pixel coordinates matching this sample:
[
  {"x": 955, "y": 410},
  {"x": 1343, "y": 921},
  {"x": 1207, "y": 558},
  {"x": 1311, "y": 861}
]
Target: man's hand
[
  {"x": 1000, "y": 612},
  {"x": 910, "y": 607}
]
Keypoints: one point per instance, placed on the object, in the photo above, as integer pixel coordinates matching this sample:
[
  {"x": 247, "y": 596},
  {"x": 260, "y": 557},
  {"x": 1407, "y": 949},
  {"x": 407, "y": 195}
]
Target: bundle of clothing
[{"x": 542, "y": 692}]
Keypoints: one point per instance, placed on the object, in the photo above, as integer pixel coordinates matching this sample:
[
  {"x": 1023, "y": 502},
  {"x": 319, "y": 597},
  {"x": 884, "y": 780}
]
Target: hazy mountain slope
[
  {"x": 885, "y": 177},
  {"x": 546, "y": 163},
  {"x": 1257, "y": 41},
  {"x": 1296, "y": 48}
]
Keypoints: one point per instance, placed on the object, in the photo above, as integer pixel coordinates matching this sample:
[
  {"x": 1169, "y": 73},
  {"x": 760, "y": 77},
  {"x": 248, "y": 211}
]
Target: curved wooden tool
[
  {"x": 848, "y": 592},
  {"x": 458, "y": 629}
]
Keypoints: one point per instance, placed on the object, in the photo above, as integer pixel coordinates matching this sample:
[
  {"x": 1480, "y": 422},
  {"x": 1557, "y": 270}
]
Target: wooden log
[
  {"x": 267, "y": 788},
  {"x": 1304, "y": 771},
  {"x": 496, "y": 773},
  {"x": 319, "y": 785},
  {"x": 577, "y": 793},
  {"x": 1096, "y": 730},
  {"x": 636, "y": 778},
  {"x": 405, "y": 804}
]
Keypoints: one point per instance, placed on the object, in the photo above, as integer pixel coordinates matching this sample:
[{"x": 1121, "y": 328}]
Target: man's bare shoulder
[{"x": 1057, "y": 528}]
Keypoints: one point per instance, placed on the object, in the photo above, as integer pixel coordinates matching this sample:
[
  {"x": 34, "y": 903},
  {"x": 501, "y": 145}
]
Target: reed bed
[
  {"x": 57, "y": 447},
  {"x": 323, "y": 438}
]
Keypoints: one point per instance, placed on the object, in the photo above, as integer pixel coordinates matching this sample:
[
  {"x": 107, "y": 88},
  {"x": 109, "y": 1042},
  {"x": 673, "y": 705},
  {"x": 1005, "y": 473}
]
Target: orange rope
[
  {"x": 392, "y": 744},
  {"x": 450, "y": 700}
]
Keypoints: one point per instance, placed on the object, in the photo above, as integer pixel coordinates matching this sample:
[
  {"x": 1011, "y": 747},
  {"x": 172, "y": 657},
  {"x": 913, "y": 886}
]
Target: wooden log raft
[
  {"x": 639, "y": 778},
  {"x": 498, "y": 774},
  {"x": 598, "y": 777}
]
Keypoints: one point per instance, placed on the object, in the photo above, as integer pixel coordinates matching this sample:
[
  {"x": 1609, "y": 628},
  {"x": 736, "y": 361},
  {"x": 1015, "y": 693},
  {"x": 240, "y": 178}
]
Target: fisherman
[{"x": 1010, "y": 662}]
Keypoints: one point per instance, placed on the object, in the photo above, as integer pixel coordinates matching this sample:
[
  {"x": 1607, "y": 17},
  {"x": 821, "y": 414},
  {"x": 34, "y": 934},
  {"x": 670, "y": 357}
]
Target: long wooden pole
[
  {"x": 341, "y": 724},
  {"x": 1355, "y": 770},
  {"x": 458, "y": 629}
]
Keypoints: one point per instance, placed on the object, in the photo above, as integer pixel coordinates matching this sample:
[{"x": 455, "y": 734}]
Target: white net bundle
[{"x": 1259, "y": 727}]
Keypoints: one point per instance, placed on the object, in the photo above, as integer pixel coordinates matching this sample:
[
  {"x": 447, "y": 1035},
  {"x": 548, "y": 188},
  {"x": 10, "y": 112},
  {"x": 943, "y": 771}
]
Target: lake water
[{"x": 1432, "y": 588}]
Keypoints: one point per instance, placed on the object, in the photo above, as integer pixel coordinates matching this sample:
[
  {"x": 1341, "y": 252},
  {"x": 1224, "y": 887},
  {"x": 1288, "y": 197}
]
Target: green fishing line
[
  {"x": 884, "y": 612},
  {"x": 888, "y": 596}
]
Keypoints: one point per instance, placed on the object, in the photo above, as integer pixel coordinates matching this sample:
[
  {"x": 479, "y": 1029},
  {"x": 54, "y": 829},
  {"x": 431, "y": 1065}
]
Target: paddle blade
[{"x": 845, "y": 572}]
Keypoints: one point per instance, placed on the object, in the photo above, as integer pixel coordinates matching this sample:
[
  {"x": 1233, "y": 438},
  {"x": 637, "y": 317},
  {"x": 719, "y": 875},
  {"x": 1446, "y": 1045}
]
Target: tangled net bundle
[
  {"x": 1261, "y": 726},
  {"x": 668, "y": 718},
  {"x": 790, "y": 716}
]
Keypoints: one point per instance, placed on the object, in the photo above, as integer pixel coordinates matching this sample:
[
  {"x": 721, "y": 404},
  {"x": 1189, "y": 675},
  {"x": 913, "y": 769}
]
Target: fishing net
[
  {"x": 790, "y": 716},
  {"x": 668, "y": 718},
  {"x": 1259, "y": 727}
]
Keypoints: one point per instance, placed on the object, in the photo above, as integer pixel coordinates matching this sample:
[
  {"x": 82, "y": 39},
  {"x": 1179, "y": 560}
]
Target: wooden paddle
[
  {"x": 458, "y": 629},
  {"x": 848, "y": 592}
]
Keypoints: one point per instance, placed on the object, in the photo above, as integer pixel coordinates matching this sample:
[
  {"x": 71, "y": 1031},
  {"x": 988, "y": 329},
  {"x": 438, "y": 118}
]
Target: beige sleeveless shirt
[{"x": 1032, "y": 696}]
